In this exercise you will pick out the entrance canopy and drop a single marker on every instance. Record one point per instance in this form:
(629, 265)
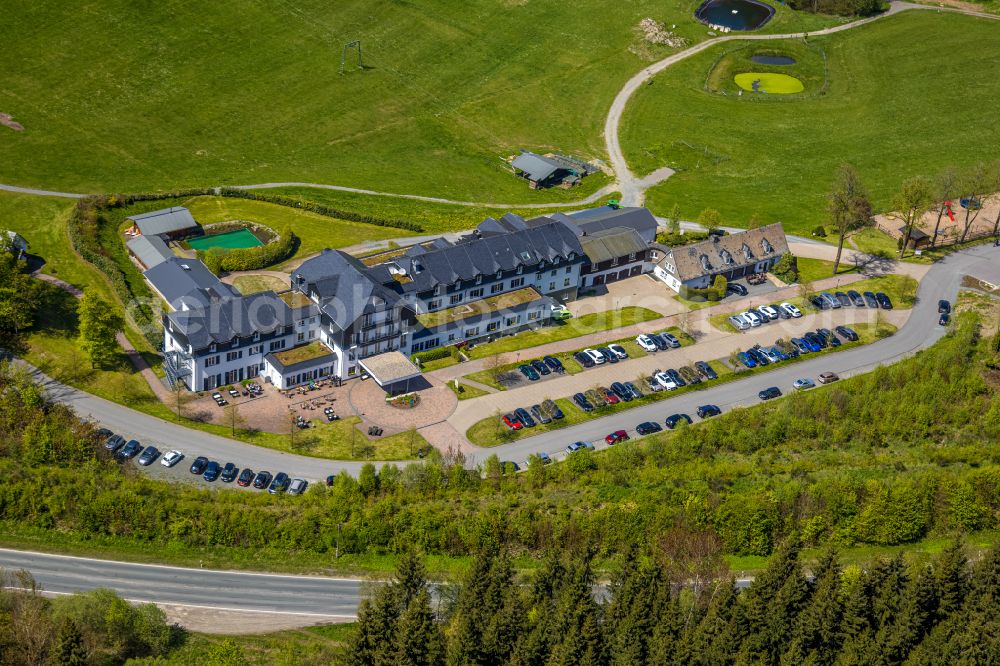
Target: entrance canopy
(390, 368)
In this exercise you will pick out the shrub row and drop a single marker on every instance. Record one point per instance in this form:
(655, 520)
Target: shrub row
(253, 258)
(319, 209)
(433, 354)
(714, 293)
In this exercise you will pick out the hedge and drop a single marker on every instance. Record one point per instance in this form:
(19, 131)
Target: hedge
(319, 209)
(433, 355)
(254, 258)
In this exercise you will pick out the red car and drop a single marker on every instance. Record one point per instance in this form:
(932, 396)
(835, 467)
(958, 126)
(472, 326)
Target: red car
(616, 436)
(609, 396)
(512, 422)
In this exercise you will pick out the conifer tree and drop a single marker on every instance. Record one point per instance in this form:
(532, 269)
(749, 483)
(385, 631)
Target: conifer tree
(952, 579)
(419, 641)
(817, 634)
(68, 649)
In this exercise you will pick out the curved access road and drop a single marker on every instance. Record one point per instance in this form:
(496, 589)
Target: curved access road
(317, 598)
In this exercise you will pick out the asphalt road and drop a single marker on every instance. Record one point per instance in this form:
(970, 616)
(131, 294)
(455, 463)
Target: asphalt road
(331, 598)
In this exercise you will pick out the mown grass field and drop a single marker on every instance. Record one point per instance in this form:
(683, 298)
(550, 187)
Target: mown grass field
(905, 97)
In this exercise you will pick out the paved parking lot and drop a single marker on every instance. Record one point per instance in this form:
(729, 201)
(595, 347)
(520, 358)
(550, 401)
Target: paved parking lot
(640, 291)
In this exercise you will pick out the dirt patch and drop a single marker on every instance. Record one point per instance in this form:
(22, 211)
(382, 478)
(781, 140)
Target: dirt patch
(8, 120)
(220, 621)
(655, 32)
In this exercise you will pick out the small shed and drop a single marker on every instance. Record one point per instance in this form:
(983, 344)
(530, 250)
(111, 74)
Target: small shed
(548, 170)
(174, 222)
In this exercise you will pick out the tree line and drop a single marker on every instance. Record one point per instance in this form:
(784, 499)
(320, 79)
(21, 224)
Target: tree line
(946, 611)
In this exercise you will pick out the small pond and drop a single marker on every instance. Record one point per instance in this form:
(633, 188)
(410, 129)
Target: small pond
(772, 59)
(734, 14)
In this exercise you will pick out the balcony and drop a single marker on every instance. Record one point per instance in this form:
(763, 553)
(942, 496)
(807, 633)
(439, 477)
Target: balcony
(177, 366)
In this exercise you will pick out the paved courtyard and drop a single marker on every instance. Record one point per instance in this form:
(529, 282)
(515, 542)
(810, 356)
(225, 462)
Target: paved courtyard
(367, 399)
(270, 412)
(639, 291)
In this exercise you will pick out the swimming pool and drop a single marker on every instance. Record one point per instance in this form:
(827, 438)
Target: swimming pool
(231, 240)
(735, 14)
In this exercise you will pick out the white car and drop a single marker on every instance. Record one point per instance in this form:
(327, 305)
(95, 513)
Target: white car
(791, 309)
(771, 313)
(618, 351)
(646, 343)
(595, 356)
(740, 322)
(171, 458)
(752, 317)
(665, 381)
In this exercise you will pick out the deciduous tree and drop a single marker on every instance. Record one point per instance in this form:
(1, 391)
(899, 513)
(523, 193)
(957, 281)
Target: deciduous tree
(99, 324)
(914, 198)
(850, 209)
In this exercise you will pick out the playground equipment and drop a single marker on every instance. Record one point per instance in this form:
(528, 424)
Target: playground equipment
(614, 204)
(951, 213)
(356, 44)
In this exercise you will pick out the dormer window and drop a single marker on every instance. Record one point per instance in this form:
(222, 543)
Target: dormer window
(571, 256)
(499, 274)
(437, 290)
(236, 342)
(520, 269)
(479, 279)
(211, 348)
(768, 248)
(746, 252)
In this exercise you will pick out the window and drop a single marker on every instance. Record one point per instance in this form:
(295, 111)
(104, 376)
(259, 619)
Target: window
(513, 321)
(435, 304)
(437, 290)
(472, 332)
(517, 282)
(552, 274)
(476, 293)
(211, 360)
(451, 337)
(232, 356)
(312, 335)
(532, 316)
(479, 279)
(571, 256)
(276, 345)
(492, 326)
(569, 269)
(552, 285)
(520, 269)
(499, 274)
(301, 337)
(566, 282)
(497, 287)
(256, 336)
(631, 256)
(236, 343)
(211, 347)
(455, 299)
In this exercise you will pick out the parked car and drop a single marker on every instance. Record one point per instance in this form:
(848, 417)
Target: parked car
(811, 342)
(610, 398)
(102, 434)
(844, 299)
(646, 343)
(658, 340)
(819, 302)
(582, 402)
(736, 288)
(757, 356)
(705, 411)
(297, 486)
(528, 372)
(130, 450)
(791, 309)
(584, 359)
(229, 472)
(554, 364)
(847, 333)
(609, 356)
(524, 417)
(773, 354)
(771, 313)
(579, 446)
(755, 319)
(246, 477)
(943, 319)
(618, 351)
(634, 390)
(544, 457)
(782, 312)
(512, 422)
(706, 370)
(595, 356)
(621, 391)
(199, 465)
(803, 384)
(870, 299)
(674, 419)
(114, 442)
(539, 415)
(831, 299)
(648, 428)
(171, 458)
(552, 409)
(827, 377)
(944, 307)
(331, 479)
(676, 377)
(671, 341)
(541, 368)
(746, 359)
(801, 345)
(665, 382)
(149, 456)
(279, 483)
(212, 471)
(883, 301)
(739, 322)
(653, 384)
(262, 481)
(616, 436)
(769, 393)
(856, 299)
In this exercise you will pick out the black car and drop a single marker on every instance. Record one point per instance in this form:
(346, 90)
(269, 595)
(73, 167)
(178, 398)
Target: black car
(212, 471)
(621, 391)
(554, 364)
(552, 409)
(676, 377)
(856, 299)
(943, 319)
(634, 390)
(525, 417)
(758, 356)
(114, 443)
(883, 301)
(102, 434)
(769, 393)
(847, 333)
(608, 355)
(816, 340)
(782, 312)
(130, 450)
(541, 368)
(844, 299)
(149, 455)
(583, 359)
(706, 411)
(706, 370)
(279, 483)
(870, 299)
(246, 478)
(582, 402)
(539, 415)
(648, 428)
(330, 480)
(944, 307)
(674, 419)
(199, 465)
(660, 343)
(819, 303)
(229, 473)
(736, 288)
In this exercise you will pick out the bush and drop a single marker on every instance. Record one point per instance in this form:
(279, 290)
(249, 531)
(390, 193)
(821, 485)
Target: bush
(819, 232)
(714, 293)
(786, 269)
(254, 258)
(434, 354)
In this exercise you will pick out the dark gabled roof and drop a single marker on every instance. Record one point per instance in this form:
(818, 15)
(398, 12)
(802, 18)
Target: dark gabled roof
(612, 243)
(149, 250)
(343, 285)
(536, 167)
(605, 217)
(723, 253)
(164, 221)
(222, 321)
(187, 283)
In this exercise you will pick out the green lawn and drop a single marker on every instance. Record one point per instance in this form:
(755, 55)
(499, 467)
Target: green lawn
(892, 109)
(251, 284)
(466, 391)
(811, 269)
(569, 328)
(315, 231)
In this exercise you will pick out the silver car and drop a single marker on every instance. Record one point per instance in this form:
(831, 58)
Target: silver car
(297, 486)
(171, 458)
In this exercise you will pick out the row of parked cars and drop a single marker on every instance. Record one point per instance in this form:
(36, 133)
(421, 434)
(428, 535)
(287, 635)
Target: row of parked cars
(766, 313)
(782, 350)
(592, 357)
(124, 450)
(840, 299)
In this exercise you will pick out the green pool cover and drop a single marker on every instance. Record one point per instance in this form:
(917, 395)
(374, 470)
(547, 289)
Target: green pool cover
(232, 240)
